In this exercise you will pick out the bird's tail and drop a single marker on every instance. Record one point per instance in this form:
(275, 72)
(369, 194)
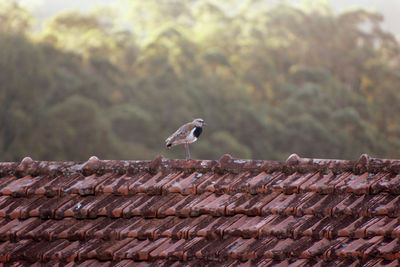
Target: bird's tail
(168, 142)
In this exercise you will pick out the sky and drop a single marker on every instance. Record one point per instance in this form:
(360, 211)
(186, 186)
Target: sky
(389, 8)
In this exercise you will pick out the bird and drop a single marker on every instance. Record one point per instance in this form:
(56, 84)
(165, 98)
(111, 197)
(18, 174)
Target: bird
(186, 134)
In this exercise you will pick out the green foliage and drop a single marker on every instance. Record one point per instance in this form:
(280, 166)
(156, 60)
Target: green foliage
(13, 18)
(269, 81)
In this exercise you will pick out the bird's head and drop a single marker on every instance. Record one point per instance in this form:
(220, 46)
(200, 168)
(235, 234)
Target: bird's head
(199, 122)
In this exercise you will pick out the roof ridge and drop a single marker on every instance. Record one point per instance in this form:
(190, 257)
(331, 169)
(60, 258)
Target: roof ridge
(226, 163)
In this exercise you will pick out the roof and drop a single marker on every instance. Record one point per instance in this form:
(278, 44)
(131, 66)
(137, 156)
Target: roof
(302, 212)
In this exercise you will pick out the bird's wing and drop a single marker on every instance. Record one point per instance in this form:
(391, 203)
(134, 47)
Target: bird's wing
(181, 133)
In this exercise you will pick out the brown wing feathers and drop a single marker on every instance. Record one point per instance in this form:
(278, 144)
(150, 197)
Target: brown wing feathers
(179, 136)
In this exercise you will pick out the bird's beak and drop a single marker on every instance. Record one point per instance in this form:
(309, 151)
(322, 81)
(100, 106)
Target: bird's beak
(204, 123)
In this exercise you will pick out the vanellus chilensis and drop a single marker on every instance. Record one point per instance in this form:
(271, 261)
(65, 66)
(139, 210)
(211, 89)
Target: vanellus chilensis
(186, 134)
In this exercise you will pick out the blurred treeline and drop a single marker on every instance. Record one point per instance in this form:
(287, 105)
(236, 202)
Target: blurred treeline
(268, 80)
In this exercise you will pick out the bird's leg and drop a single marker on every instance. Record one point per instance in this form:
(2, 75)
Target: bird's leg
(187, 151)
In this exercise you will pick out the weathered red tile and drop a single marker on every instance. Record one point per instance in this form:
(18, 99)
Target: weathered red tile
(118, 184)
(389, 249)
(136, 204)
(152, 184)
(184, 184)
(358, 228)
(384, 227)
(37, 188)
(86, 249)
(343, 185)
(212, 227)
(125, 252)
(77, 229)
(326, 227)
(36, 250)
(69, 253)
(387, 205)
(17, 208)
(356, 205)
(139, 180)
(358, 248)
(301, 244)
(172, 216)
(362, 206)
(239, 249)
(43, 207)
(4, 251)
(317, 249)
(263, 262)
(87, 207)
(11, 233)
(214, 205)
(49, 253)
(247, 182)
(307, 227)
(197, 181)
(133, 229)
(184, 206)
(325, 183)
(88, 184)
(241, 263)
(5, 228)
(153, 228)
(310, 184)
(357, 184)
(92, 263)
(132, 203)
(193, 251)
(18, 187)
(63, 183)
(383, 262)
(320, 205)
(386, 182)
(32, 230)
(107, 249)
(150, 207)
(6, 181)
(294, 207)
(396, 232)
(98, 229)
(111, 230)
(109, 205)
(168, 249)
(283, 226)
(123, 263)
(212, 249)
(182, 228)
(285, 204)
(224, 185)
(281, 249)
(208, 185)
(12, 251)
(248, 227)
(186, 247)
(142, 251)
(364, 185)
(250, 204)
(293, 182)
(336, 244)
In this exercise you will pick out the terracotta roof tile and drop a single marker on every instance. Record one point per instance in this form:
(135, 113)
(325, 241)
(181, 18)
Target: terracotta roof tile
(231, 212)
(387, 182)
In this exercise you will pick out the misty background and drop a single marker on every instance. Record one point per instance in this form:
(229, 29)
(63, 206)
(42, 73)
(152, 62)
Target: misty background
(270, 78)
